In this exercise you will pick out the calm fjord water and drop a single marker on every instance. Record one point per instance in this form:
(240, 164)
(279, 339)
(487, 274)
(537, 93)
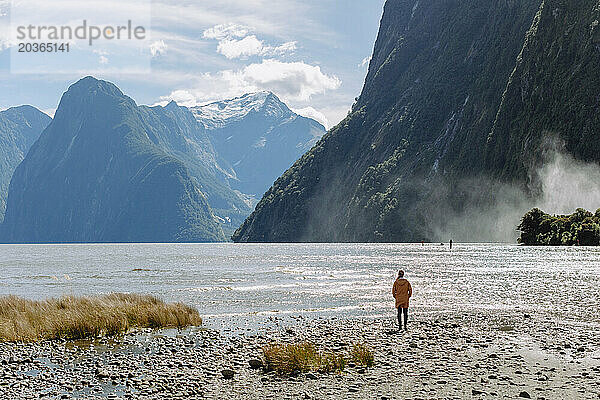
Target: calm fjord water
(245, 281)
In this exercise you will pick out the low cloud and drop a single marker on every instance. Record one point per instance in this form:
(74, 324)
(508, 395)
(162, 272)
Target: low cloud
(568, 184)
(295, 81)
(560, 185)
(310, 112)
(181, 97)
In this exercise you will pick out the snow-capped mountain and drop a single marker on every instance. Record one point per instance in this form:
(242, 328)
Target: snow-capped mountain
(258, 136)
(220, 113)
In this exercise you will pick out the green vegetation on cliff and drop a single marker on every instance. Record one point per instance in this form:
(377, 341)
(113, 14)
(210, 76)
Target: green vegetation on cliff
(458, 100)
(430, 98)
(581, 228)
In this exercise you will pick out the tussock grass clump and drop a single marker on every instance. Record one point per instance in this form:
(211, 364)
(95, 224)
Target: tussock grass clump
(302, 357)
(75, 318)
(362, 355)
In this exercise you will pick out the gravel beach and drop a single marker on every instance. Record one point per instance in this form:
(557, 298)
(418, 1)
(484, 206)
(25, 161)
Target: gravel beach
(479, 355)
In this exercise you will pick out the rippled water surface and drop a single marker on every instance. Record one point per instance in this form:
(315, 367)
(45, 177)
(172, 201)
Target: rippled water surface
(232, 280)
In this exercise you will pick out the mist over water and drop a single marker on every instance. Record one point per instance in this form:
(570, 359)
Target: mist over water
(563, 184)
(568, 184)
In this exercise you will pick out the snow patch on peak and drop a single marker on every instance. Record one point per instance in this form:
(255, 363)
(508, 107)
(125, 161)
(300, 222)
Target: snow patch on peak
(216, 115)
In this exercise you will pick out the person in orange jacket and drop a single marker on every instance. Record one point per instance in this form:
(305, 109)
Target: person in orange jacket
(402, 291)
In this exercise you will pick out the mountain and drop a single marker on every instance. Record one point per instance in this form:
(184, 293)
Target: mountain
(553, 90)
(104, 171)
(258, 137)
(19, 129)
(182, 137)
(458, 101)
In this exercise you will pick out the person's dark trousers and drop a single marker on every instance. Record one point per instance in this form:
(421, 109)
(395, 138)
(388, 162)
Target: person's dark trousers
(400, 312)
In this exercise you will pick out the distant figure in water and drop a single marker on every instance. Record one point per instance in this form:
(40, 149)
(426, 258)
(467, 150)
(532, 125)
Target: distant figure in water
(450, 244)
(402, 292)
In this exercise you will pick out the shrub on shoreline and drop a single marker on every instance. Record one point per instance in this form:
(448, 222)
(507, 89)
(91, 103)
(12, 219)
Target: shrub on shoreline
(304, 357)
(362, 355)
(73, 318)
(541, 229)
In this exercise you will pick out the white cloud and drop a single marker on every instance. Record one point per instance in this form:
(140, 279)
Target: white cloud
(251, 46)
(103, 60)
(235, 42)
(310, 112)
(335, 112)
(181, 97)
(294, 80)
(232, 48)
(158, 47)
(365, 62)
(226, 31)
(287, 47)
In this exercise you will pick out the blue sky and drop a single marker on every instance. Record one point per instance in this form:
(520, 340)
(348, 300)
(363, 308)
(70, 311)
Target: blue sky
(311, 53)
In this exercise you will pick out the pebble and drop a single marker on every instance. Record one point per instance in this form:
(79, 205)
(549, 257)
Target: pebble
(433, 360)
(227, 373)
(255, 363)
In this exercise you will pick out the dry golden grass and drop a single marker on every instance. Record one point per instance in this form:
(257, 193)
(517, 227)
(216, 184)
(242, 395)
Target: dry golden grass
(302, 357)
(74, 318)
(362, 355)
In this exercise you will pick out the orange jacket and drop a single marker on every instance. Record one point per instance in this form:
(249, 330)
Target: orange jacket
(402, 292)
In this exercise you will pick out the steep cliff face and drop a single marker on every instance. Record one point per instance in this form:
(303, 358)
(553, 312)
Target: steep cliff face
(19, 129)
(553, 93)
(99, 173)
(453, 91)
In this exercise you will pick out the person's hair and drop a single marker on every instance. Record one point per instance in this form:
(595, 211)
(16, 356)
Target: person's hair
(400, 274)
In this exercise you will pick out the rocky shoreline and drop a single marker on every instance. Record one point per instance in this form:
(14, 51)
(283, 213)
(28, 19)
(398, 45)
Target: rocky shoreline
(453, 356)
